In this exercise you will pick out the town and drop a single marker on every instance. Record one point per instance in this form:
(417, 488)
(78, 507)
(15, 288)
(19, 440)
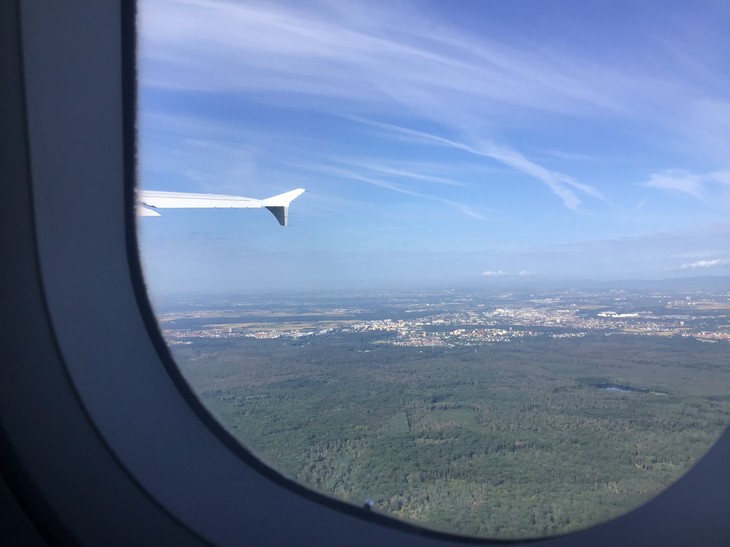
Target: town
(438, 320)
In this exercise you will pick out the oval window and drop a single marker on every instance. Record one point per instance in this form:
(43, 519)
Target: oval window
(500, 306)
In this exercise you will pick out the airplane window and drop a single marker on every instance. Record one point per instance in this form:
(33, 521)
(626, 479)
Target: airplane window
(465, 265)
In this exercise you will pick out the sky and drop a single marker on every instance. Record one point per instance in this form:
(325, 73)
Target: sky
(441, 144)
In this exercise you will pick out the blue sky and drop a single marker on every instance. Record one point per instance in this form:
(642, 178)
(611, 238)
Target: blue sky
(441, 144)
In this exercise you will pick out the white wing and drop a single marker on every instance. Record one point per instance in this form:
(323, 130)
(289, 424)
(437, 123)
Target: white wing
(149, 200)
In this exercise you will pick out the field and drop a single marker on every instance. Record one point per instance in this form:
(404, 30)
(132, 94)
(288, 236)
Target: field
(500, 440)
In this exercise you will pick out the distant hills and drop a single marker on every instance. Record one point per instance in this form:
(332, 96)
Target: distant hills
(707, 283)
(701, 283)
(696, 283)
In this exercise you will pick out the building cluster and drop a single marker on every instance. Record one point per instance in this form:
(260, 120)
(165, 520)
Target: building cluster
(478, 324)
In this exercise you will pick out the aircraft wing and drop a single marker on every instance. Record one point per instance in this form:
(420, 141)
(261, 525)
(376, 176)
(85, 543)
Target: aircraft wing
(150, 200)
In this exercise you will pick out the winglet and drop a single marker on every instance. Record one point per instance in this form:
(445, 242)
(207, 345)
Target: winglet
(143, 211)
(279, 205)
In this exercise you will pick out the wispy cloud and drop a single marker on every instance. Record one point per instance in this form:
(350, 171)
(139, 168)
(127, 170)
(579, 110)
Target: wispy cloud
(396, 171)
(379, 182)
(328, 54)
(572, 156)
(332, 53)
(560, 184)
(684, 182)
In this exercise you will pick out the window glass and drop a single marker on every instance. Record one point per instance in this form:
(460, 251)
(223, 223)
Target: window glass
(500, 307)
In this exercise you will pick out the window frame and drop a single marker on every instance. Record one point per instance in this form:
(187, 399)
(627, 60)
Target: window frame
(123, 451)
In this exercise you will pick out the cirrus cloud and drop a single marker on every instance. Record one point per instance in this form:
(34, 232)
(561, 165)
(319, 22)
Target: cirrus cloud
(685, 182)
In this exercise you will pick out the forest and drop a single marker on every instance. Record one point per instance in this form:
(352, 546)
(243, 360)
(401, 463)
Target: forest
(521, 439)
